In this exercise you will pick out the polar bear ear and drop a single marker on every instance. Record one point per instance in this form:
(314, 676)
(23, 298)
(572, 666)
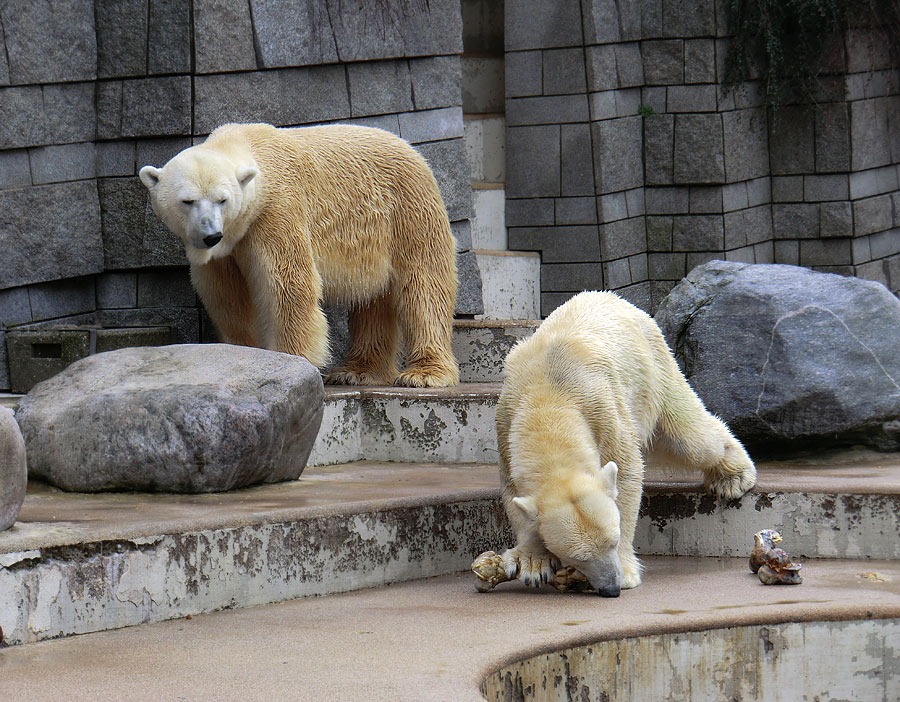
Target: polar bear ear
(609, 474)
(245, 174)
(149, 176)
(527, 505)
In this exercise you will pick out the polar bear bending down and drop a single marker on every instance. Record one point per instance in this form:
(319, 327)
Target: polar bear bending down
(276, 222)
(583, 399)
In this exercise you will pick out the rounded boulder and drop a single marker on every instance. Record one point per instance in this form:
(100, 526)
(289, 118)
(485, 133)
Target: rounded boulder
(187, 418)
(13, 471)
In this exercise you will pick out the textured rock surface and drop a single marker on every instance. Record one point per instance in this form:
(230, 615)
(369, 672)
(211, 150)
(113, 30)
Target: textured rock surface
(185, 418)
(787, 356)
(13, 473)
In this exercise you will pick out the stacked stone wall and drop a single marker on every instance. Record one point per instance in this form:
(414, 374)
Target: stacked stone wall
(91, 90)
(628, 164)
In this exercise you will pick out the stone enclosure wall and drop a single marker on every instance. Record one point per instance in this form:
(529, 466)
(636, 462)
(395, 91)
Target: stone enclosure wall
(649, 168)
(91, 90)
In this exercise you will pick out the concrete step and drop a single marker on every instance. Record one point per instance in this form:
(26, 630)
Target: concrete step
(511, 284)
(76, 563)
(485, 144)
(436, 640)
(489, 216)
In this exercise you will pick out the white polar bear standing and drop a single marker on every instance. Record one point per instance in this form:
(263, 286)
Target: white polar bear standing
(583, 399)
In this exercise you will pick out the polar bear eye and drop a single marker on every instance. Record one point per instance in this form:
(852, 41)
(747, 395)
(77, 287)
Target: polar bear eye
(187, 202)
(223, 200)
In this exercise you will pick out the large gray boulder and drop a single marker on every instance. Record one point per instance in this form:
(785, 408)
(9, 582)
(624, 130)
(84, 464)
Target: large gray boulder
(788, 357)
(13, 473)
(189, 418)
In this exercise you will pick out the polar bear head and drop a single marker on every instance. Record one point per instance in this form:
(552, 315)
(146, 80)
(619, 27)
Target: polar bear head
(203, 196)
(578, 521)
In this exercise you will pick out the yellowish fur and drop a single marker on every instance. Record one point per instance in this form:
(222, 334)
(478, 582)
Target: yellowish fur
(597, 384)
(338, 215)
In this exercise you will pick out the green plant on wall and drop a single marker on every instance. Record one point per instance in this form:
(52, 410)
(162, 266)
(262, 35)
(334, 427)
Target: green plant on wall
(784, 43)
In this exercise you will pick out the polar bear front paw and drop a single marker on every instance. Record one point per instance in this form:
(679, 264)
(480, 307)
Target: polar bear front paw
(428, 375)
(733, 486)
(349, 376)
(631, 575)
(532, 568)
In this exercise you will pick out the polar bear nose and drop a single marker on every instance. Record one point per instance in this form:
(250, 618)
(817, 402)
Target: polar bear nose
(608, 591)
(212, 239)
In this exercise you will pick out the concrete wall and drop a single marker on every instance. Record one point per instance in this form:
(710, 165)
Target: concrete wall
(648, 168)
(91, 90)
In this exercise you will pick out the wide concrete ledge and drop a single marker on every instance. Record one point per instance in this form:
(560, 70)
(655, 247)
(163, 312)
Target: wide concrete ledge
(76, 563)
(434, 639)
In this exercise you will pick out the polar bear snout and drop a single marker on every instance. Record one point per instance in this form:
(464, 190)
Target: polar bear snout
(212, 239)
(604, 573)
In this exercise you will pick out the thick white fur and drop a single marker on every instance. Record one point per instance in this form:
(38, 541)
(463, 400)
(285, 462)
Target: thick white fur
(583, 400)
(339, 215)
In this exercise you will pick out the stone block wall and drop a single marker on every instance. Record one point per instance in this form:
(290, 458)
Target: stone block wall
(628, 164)
(91, 90)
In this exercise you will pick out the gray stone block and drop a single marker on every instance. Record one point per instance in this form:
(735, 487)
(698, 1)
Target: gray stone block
(872, 215)
(41, 245)
(379, 30)
(663, 61)
(870, 133)
(523, 73)
(534, 24)
(627, 237)
(616, 274)
(577, 168)
(602, 73)
(639, 267)
(114, 158)
(523, 146)
(55, 164)
(469, 299)
(558, 244)
(698, 258)
(116, 291)
(167, 288)
(792, 140)
(69, 112)
(699, 61)
(121, 37)
(50, 42)
(691, 98)
(884, 244)
(746, 144)
(109, 109)
(574, 210)
(183, 321)
(873, 182)
(618, 162)
(819, 188)
(293, 33)
(873, 270)
(659, 233)
(787, 252)
(795, 221)
(551, 300)
(432, 125)
(860, 250)
(748, 226)
(134, 237)
(556, 109)
(825, 252)
(4, 364)
(628, 102)
(742, 255)
(462, 234)
(379, 87)
(157, 152)
(170, 36)
(156, 106)
(611, 21)
(279, 97)
(832, 138)
(14, 307)
(530, 212)
(759, 191)
(22, 117)
(448, 162)
(698, 233)
(651, 19)
(659, 144)
(629, 65)
(666, 266)
(868, 49)
(15, 169)
(706, 199)
(699, 149)
(634, 199)
(734, 196)
(571, 276)
(689, 19)
(667, 200)
(229, 22)
(836, 219)
(764, 252)
(61, 298)
(435, 82)
(389, 123)
(603, 105)
(563, 71)
(787, 188)
(612, 207)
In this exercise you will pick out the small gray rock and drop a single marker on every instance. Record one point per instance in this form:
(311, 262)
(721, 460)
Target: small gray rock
(13, 473)
(186, 418)
(788, 357)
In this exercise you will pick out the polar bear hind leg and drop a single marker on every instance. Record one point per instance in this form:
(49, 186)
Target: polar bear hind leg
(372, 356)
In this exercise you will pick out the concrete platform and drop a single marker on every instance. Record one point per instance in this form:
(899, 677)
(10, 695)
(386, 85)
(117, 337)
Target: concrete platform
(434, 639)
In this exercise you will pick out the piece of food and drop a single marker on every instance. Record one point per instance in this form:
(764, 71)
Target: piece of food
(489, 569)
(771, 564)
